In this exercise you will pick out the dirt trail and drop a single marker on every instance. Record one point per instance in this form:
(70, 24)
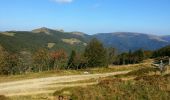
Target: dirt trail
(43, 85)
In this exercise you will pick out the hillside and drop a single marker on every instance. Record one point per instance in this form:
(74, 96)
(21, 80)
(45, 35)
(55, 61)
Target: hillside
(43, 37)
(56, 39)
(125, 41)
(167, 38)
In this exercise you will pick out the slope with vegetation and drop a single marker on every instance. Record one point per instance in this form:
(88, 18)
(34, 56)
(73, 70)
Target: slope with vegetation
(142, 81)
(125, 41)
(144, 86)
(40, 38)
(94, 55)
(17, 41)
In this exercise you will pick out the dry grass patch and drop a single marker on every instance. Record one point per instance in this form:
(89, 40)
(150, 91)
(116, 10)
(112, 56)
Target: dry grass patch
(51, 45)
(8, 34)
(71, 41)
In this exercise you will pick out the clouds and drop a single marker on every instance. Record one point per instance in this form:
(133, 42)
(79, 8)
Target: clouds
(63, 1)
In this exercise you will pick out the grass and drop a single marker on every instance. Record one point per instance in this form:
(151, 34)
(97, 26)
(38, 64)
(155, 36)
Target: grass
(140, 72)
(38, 75)
(2, 97)
(69, 72)
(144, 71)
(152, 87)
(142, 88)
(33, 97)
(146, 85)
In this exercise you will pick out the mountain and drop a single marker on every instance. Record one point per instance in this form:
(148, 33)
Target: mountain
(52, 39)
(125, 41)
(42, 38)
(166, 37)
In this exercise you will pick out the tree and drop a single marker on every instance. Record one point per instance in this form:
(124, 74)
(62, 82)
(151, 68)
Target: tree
(76, 61)
(8, 62)
(41, 59)
(165, 51)
(3, 61)
(79, 61)
(122, 59)
(70, 63)
(139, 55)
(25, 62)
(96, 54)
(130, 57)
(12, 64)
(111, 55)
(58, 58)
(148, 54)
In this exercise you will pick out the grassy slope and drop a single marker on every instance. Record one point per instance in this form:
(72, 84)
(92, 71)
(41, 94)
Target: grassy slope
(142, 88)
(146, 85)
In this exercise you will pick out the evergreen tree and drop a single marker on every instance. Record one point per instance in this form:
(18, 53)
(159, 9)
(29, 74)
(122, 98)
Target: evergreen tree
(96, 54)
(130, 57)
(71, 59)
(140, 55)
(165, 51)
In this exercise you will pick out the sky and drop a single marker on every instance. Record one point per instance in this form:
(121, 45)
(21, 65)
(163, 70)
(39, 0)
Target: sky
(88, 16)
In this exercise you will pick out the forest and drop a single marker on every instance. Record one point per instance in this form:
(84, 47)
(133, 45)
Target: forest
(94, 55)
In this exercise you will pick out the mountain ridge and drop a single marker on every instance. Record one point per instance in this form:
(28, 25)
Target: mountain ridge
(44, 37)
(125, 41)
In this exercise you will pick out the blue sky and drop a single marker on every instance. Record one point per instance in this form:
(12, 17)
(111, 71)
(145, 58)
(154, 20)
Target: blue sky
(89, 16)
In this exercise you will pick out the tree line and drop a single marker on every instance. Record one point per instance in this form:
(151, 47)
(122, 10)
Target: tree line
(94, 55)
(165, 51)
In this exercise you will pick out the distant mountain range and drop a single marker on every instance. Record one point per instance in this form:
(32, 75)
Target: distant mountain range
(166, 38)
(125, 41)
(51, 39)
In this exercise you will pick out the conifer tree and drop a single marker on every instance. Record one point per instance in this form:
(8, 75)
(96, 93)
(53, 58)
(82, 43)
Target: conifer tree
(96, 54)
(71, 59)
